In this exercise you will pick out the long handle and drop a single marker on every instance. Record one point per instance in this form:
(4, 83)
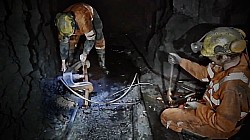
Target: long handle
(86, 78)
(171, 77)
(170, 101)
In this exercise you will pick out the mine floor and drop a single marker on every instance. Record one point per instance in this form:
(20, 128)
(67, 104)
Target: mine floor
(134, 115)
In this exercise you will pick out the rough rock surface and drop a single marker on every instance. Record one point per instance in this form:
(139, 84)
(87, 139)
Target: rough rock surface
(144, 30)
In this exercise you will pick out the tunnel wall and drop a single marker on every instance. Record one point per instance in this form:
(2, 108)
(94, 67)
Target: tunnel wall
(184, 23)
(29, 48)
(29, 54)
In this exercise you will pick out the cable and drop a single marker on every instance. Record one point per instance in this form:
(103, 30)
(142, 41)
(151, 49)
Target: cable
(110, 102)
(125, 91)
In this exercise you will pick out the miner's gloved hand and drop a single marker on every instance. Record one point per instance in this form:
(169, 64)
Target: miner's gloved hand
(83, 57)
(63, 68)
(174, 58)
(196, 46)
(192, 104)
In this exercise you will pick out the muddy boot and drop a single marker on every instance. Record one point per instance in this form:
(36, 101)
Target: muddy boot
(101, 59)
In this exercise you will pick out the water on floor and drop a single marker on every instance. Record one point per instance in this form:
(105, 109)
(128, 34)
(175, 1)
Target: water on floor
(66, 120)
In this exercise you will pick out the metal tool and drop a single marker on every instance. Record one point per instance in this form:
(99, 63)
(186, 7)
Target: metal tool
(84, 86)
(169, 93)
(86, 65)
(69, 78)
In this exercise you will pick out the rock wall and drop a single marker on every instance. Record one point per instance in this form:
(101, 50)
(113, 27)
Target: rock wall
(26, 50)
(29, 54)
(29, 49)
(185, 22)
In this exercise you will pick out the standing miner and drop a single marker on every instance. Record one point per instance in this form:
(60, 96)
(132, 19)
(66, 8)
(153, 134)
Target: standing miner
(77, 20)
(226, 102)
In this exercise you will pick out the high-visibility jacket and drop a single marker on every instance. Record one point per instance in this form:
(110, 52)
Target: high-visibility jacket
(227, 101)
(88, 23)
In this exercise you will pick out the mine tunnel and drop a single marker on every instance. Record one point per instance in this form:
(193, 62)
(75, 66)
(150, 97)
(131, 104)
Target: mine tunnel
(127, 99)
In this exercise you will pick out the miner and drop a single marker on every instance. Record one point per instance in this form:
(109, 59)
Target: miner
(77, 20)
(226, 101)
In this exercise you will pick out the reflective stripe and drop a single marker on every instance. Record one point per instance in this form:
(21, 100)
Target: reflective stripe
(215, 87)
(91, 9)
(236, 76)
(212, 99)
(205, 80)
(100, 48)
(205, 96)
(243, 114)
(215, 101)
(179, 123)
(100, 44)
(168, 124)
(90, 35)
(210, 91)
(211, 83)
(210, 71)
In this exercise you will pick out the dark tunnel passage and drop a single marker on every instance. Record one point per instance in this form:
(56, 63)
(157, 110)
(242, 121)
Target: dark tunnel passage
(126, 100)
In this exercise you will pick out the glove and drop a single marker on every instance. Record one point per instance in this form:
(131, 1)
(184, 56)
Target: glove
(63, 68)
(196, 47)
(83, 57)
(192, 104)
(174, 58)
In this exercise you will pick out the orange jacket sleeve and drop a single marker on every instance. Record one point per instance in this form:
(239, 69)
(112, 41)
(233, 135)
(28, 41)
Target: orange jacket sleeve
(195, 69)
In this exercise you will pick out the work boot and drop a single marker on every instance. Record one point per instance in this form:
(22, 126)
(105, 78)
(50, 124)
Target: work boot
(101, 59)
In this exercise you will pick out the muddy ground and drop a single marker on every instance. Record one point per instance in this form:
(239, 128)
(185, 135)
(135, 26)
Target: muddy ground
(125, 118)
(134, 114)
